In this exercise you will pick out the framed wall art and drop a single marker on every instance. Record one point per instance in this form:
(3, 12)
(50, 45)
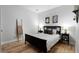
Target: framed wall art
(55, 19)
(47, 20)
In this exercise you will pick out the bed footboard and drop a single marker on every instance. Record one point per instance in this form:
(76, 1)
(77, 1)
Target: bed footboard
(36, 42)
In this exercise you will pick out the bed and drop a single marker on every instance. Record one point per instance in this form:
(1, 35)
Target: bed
(44, 41)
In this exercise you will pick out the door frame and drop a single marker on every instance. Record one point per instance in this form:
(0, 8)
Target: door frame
(1, 27)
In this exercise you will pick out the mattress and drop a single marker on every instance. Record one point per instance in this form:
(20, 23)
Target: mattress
(51, 39)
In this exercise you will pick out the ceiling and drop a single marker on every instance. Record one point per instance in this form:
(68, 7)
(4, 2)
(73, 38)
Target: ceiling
(40, 8)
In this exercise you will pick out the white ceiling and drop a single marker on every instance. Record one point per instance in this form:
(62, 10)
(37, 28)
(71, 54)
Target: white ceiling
(40, 8)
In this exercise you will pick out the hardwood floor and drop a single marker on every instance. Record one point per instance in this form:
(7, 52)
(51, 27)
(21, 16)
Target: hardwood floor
(20, 47)
(63, 48)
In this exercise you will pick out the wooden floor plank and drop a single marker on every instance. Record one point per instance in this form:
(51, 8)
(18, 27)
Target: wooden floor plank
(20, 47)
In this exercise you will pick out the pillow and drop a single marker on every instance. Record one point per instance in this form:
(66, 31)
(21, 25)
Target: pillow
(45, 28)
(49, 29)
(58, 29)
(54, 31)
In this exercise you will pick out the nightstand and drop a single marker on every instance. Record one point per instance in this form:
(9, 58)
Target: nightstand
(65, 38)
(40, 31)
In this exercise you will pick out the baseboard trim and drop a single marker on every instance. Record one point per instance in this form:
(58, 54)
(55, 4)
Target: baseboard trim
(7, 42)
(10, 41)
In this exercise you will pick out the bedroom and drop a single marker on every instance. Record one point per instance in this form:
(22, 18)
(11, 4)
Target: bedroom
(34, 18)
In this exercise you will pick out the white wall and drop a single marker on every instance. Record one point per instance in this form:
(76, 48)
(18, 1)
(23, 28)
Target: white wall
(77, 39)
(65, 18)
(9, 16)
(77, 32)
(65, 15)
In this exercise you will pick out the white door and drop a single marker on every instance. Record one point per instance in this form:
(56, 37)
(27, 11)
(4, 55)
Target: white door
(0, 29)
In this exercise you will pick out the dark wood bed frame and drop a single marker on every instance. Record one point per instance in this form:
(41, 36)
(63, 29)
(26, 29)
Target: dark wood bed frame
(36, 42)
(40, 43)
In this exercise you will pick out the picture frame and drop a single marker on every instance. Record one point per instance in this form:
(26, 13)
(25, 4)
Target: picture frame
(47, 20)
(55, 19)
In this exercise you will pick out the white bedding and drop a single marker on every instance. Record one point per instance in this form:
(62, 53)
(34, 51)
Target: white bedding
(51, 39)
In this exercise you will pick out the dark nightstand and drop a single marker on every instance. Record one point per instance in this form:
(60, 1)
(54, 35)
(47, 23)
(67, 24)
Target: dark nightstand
(40, 31)
(65, 38)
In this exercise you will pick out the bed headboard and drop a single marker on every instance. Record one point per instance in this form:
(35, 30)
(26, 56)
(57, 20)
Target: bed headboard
(52, 29)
